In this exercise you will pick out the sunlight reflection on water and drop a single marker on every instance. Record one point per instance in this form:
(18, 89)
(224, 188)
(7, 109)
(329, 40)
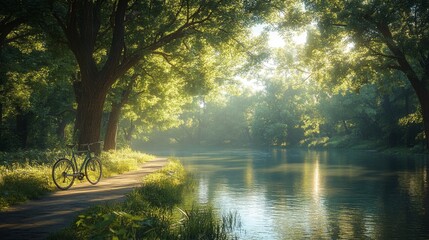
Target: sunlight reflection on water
(301, 194)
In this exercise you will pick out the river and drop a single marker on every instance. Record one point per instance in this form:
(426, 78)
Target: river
(307, 194)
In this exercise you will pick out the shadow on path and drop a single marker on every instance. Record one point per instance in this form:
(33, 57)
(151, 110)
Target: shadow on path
(38, 218)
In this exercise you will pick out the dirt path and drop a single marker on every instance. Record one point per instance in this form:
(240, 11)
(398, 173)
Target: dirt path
(37, 219)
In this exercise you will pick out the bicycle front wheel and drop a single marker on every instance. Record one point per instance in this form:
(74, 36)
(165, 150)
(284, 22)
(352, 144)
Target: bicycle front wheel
(93, 170)
(63, 173)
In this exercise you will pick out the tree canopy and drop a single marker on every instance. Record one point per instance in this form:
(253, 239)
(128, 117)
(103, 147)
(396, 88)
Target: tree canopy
(385, 38)
(84, 70)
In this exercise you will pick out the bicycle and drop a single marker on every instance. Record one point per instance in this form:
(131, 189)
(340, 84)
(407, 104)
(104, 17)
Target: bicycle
(64, 170)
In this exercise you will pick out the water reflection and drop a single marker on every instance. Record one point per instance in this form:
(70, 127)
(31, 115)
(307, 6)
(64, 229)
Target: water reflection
(299, 194)
(249, 173)
(203, 190)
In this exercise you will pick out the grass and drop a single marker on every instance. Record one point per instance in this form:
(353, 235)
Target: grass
(201, 222)
(26, 175)
(156, 210)
(24, 182)
(120, 161)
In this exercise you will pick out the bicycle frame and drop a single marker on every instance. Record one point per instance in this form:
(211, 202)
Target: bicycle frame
(79, 170)
(88, 156)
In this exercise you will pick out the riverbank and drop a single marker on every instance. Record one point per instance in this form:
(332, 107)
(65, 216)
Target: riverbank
(346, 142)
(162, 208)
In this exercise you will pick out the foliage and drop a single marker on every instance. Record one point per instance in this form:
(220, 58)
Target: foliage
(277, 116)
(107, 49)
(343, 83)
(178, 66)
(290, 111)
(353, 43)
(25, 175)
(150, 217)
(152, 103)
(36, 97)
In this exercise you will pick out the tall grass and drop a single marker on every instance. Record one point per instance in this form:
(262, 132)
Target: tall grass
(22, 182)
(164, 188)
(26, 174)
(202, 222)
(154, 211)
(120, 161)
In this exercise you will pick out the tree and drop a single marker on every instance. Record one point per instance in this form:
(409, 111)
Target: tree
(379, 38)
(110, 37)
(15, 30)
(277, 118)
(194, 67)
(31, 102)
(150, 98)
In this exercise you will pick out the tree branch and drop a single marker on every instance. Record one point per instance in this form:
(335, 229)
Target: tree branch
(339, 25)
(376, 53)
(165, 56)
(117, 43)
(403, 63)
(241, 44)
(162, 41)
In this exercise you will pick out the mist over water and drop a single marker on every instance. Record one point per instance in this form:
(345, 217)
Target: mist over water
(295, 193)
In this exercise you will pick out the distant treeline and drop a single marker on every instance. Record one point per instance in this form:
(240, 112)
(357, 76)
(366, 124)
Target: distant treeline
(283, 114)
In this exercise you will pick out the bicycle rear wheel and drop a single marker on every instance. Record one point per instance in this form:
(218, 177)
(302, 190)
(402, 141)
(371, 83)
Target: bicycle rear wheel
(93, 170)
(63, 173)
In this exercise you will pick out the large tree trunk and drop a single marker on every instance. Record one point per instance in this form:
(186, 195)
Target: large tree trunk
(115, 115)
(423, 96)
(112, 127)
(1, 124)
(422, 93)
(425, 197)
(89, 113)
(419, 84)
